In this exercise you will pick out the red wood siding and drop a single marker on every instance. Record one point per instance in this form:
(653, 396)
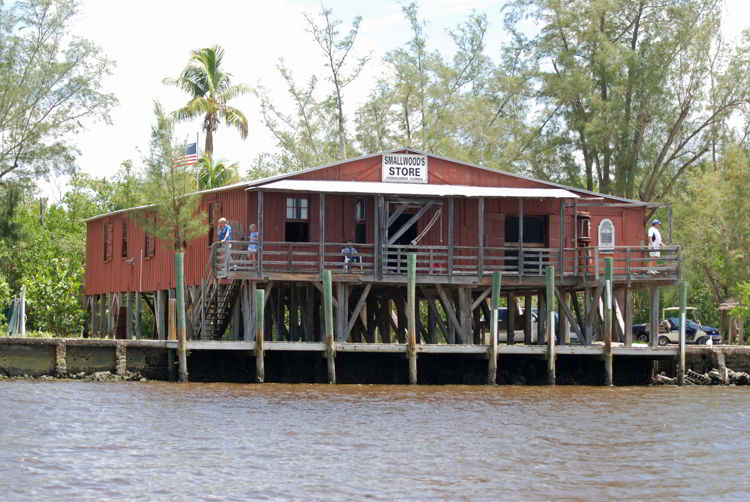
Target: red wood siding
(239, 207)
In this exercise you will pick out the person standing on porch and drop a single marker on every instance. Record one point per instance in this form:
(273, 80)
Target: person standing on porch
(654, 243)
(225, 235)
(253, 238)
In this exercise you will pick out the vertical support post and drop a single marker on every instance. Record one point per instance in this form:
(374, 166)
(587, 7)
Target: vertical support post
(521, 257)
(161, 314)
(342, 311)
(527, 318)
(511, 324)
(480, 238)
(541, 318)
(563, 325)
(607, 321)
(654, 317)
(628, 316)
(494, 305)
(450, 236)
(322, 250)
(561, 261)
(181, 328)
(261, 233)
(128, 315)
(260, 315)
(550, 294)
(172, 328)
(411, 270)
(328, 316)
(137, 317)
(683, 321)
(575, 236)
(381, 236)
(22, 314)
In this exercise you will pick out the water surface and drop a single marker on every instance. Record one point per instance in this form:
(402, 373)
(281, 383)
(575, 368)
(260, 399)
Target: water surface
(69, 440)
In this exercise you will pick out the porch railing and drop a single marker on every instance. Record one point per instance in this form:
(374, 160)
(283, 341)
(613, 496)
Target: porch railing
(630, 262)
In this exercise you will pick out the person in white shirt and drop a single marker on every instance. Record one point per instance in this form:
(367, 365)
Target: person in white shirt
(654, 243)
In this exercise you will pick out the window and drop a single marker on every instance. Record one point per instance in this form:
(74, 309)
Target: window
(107, 241)
(296, 208)
(214, 210)
(296, 228)
(606, 234)
(359, 210)
(534, 229)
(149, 246)
(124, 245)
(360, 226)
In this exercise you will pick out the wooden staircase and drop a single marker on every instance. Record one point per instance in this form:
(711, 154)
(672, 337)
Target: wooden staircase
(212, 311)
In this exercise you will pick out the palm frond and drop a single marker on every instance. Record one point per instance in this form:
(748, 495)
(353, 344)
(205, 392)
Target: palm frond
(234, 91)
(235, 118)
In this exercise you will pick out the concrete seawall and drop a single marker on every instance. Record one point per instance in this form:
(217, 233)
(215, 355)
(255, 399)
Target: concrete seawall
(152, 359)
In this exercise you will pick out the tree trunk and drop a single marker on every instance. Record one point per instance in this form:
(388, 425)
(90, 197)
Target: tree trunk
(209, 128)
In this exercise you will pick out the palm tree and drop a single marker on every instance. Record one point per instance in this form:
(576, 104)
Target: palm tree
(214, 175)
(211, 89)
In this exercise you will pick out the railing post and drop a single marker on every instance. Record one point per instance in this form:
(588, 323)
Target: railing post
(494, 305)
(521, 261)
(450, 236)
(411, 265)
(261, 234)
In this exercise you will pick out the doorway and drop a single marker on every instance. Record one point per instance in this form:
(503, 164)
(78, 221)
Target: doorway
(396, 262)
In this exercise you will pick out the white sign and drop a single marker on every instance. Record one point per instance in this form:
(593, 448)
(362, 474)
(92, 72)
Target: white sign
(404, 168)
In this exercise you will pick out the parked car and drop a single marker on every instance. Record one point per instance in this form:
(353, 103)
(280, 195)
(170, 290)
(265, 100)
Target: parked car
(669, 330)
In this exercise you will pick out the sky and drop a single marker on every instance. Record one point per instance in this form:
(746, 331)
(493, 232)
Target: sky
(151, 40)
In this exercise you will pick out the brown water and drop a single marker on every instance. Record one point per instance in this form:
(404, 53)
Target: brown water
(162, 441)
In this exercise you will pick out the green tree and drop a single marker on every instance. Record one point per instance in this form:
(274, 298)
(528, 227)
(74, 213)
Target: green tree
(336, 49)
(643, 90)
(174, 215)
(712, 225)
(216, 174)
(210, 89)
(51, 81)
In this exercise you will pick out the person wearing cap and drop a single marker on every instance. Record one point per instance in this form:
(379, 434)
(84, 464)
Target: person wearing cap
(654, 243)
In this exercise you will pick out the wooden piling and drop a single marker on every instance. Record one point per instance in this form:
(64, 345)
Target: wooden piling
(494, 305)
(411, 269)
(137, 316)
(181, 324)
(330, 352)
(260, 370)
(550, 331)
(608, 322)
(683, 321)
(128, 316)
(654, 317)
(172, 332)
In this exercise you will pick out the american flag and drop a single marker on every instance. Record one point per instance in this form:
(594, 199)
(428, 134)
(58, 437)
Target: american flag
(190, 158)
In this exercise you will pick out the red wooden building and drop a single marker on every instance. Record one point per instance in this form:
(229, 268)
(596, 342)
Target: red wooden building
(463, 221)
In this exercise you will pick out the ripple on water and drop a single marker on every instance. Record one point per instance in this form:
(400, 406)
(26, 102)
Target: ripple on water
(156, 441)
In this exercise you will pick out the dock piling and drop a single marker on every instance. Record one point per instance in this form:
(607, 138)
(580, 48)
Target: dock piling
(328, 321)
(494, 305)
(683, 320)
(550, 315)
(260, 370)
(411, 266)
(608, 322)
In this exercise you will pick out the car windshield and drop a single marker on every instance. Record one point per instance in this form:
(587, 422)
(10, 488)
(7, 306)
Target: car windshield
(690, 324)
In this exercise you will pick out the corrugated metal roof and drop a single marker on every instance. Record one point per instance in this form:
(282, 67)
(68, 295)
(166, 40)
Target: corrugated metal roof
(418, 189)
